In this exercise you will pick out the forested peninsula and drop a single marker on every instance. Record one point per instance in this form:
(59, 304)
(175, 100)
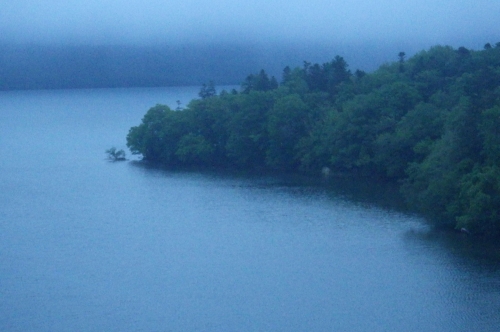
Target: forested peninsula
(430, 123)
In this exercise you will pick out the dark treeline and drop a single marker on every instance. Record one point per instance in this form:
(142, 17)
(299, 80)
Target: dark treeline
(430, 122)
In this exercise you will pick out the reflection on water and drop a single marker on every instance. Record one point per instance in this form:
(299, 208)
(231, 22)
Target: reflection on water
(467, 250)
(91, 245)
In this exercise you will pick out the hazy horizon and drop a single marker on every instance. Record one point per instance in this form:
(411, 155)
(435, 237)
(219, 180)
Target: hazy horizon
(421, 25)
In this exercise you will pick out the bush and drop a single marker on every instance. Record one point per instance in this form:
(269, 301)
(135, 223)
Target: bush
(115, 155)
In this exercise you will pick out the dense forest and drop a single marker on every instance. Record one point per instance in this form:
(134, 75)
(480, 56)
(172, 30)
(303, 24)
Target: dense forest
(430, 122)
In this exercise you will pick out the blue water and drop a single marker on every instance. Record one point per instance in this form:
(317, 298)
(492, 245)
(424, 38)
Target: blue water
(91, 245)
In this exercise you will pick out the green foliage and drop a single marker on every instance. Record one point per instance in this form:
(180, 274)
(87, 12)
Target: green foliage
(429, 122)
(286, 124)
(295, 81)
(248, 137)
(194, 149)
(489, 130)
(259, 82)
(411, 140)
(433, 184)
(157, 136)
(479, 201)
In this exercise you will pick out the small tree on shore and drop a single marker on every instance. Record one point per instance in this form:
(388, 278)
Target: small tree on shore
(115, 155)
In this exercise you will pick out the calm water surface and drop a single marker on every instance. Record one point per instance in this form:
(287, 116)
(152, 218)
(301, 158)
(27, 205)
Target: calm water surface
(91, 245)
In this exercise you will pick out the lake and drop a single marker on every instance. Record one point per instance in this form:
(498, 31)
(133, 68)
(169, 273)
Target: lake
(92, 245)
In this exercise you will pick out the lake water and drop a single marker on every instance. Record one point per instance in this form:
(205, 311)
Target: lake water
(92, 245)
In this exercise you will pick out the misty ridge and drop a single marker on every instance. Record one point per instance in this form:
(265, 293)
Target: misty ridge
(66, 66)
(44, 66)
(111, 43)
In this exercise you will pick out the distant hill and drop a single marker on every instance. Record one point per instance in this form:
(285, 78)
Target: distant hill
(104, 66)
(56, 67)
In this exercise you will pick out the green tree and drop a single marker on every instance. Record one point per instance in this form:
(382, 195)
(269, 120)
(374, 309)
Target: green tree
(157, 136)
(259, 82)
(401, 56)
(248, 139)
(490, 134)
(286, 124)
(207, 90)
(194, 149)
(146, 139)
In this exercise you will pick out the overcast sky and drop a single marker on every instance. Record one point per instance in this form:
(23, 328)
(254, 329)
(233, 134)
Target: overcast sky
(424, 22)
